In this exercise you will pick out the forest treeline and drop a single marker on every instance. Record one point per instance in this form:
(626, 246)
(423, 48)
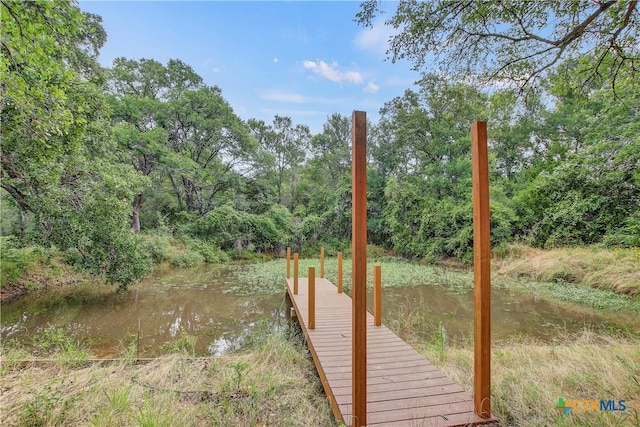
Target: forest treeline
(101, 163)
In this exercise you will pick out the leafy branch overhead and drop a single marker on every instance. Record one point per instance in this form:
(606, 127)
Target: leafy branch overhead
(513, 41)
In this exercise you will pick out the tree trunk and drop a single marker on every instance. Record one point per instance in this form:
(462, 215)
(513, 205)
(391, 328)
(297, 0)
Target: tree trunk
(136, 213)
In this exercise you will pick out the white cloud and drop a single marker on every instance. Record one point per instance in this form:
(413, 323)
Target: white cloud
(216, 70)
(296, 98)
(371, 87)
(276, 60)
(375, 39)
(332, 72)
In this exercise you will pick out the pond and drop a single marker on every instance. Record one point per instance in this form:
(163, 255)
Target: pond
(213, 304)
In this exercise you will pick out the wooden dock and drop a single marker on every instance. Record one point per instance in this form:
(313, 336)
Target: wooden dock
(403, 388)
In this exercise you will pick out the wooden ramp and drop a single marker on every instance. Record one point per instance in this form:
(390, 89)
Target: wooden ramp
(403, 388)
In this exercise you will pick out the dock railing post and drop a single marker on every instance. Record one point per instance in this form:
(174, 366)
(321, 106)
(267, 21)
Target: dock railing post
(288, 263)
(322, 263)
(312, 297)
(377, 295)
(359, 268)
(481, 272)
(295, 273)
(339, 272)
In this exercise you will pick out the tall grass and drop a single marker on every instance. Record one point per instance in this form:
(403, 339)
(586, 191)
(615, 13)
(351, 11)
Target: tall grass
(615, 270)
(527, 379)
(275, 384)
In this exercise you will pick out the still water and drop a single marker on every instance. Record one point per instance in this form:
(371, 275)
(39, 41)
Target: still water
(205, 303)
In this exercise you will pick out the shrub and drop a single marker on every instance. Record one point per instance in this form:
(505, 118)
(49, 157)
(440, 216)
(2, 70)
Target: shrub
(13, 263)
(187, 259)
(209, 252)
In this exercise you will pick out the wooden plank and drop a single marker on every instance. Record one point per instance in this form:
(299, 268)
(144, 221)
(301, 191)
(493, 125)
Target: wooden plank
(403, 388)
(359, 266)
(481, 271)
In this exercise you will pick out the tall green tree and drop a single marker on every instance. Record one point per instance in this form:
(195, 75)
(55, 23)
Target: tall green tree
(140, 91)
(422, 149)
(587, 189)
(282, 151)
(49, 92)
(212, 145)
(514, 41)
(56, 161)
(332, 149)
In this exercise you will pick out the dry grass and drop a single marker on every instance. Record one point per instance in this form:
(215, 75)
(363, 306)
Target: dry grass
(617, 270)
(527, 379)
(272, 386)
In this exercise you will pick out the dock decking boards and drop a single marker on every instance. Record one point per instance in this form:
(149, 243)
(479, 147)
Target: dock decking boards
(403, 388)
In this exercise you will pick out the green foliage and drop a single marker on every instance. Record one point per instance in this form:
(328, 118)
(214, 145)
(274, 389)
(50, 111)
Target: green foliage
(512, 41)
(158, 246)
(187, 259)
(230, 229)
(41, 410)
(185, 344)
(210, 253)
(14, 261)
(69, 350)
(160, 151)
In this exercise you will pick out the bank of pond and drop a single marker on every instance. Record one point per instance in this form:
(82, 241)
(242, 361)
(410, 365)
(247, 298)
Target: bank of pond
(220, 309)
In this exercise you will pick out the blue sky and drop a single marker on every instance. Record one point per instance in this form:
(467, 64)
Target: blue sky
(305, 60)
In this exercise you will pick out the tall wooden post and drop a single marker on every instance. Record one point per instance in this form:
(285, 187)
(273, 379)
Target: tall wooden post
(322, 263)
(481, 271)
(339, 272)
(295, 273)
(312, 297)
(377, 295)
(359, 268)
(288, 263)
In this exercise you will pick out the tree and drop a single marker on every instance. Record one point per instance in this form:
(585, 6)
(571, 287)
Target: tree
(211, 144)
(587, 189)
(282, 151)
(332, 148)
(56, 158)
(140, 91)
(48, 91)
(514, 41)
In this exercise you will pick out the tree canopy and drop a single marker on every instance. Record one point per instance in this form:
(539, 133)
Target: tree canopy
(105, 166)
(514, 41)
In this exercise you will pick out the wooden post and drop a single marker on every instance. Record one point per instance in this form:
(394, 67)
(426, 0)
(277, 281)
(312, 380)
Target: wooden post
(288, 306)
(322, 263)
(377, 295)
(359, 268)
(295, 273)
(312, 297)
(339, 272)
(481, 272)
(288, 263)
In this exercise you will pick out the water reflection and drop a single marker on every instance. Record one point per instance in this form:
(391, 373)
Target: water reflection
(201, 302)
(420, 309)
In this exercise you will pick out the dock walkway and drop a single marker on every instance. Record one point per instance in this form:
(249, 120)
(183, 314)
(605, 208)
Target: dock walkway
(403, 388)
